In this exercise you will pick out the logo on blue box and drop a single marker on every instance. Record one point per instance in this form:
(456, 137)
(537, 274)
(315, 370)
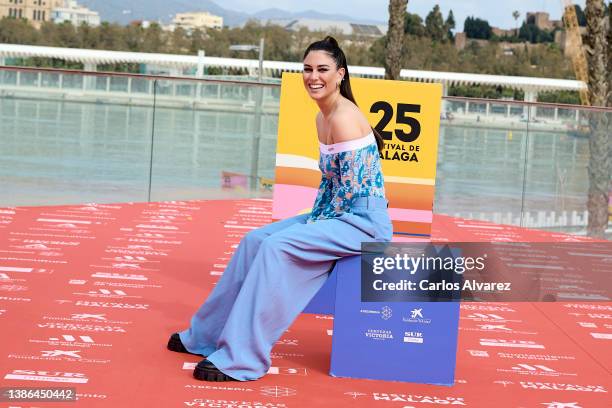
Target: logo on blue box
(395, 341)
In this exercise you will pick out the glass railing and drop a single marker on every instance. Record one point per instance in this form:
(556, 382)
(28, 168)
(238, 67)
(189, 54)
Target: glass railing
(67, 139)
(516, 163)
(72, 137)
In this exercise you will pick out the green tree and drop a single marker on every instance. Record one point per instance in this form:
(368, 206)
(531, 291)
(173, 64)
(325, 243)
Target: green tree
(60, 35)
(153, 40)
(609, 38)
(89, 37)
(434, 25)
(414, 25)
(197, 41)
(110, 36)
(567, 97)
(477, 28)
(418, 51)
(449, 24)
(581, 16)
(395, 38)
(178, 42)
(600, 163)
(609, 103)
(515, 15)
(278, 44)
(533, 34)
(17, 31)
(133, 37)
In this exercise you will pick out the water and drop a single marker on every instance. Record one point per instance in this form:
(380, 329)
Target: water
(493, 170)
(57, 152)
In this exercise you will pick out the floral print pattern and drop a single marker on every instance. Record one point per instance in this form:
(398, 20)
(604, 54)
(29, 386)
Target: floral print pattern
(346, 176)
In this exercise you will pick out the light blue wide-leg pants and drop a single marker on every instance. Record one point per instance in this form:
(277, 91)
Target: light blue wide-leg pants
(274, 273)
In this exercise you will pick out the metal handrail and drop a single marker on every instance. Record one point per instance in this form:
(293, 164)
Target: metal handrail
(526, 103)
(275, 85)
(132, 75)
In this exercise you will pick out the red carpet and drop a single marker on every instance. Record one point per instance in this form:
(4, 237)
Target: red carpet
(89, 295)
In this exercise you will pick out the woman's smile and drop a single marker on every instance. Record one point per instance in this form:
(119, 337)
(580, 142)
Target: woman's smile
(315, 86)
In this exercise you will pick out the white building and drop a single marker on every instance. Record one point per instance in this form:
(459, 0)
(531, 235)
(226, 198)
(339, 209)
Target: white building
(75, 14)
(197, 20)
(332, 26)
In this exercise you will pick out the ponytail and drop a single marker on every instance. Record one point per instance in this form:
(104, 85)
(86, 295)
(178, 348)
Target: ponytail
(330, 46)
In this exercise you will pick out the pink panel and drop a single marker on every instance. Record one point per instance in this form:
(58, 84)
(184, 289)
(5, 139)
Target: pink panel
(397, 238)
(402, 214)
(292, 200)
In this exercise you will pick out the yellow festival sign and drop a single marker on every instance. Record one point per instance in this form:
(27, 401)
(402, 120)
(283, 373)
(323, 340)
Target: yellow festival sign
(406, 114)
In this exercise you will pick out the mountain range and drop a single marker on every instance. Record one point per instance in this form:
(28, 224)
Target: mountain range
(122, 12)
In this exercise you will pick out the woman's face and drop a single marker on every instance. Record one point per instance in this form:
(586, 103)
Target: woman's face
(321, 76)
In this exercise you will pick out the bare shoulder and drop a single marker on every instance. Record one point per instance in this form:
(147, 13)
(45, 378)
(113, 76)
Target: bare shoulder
(348, 123)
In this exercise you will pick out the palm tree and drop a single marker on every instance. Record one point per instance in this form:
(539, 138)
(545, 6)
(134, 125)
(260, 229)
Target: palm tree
(600, 164)
(395, 38)
(516, 16)
(610, 58)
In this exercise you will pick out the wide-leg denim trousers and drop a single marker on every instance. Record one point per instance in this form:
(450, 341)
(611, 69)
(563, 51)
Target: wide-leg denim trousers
(274, 273)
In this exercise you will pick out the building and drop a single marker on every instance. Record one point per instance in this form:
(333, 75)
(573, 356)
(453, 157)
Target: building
(460, 41)
(333, 26)
(542, 21)
(501, 32)
(197, 20)
(35, 11)
(75, 14)
(504, 47)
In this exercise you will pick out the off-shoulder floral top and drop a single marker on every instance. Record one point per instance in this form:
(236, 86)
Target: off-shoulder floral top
(349, 170)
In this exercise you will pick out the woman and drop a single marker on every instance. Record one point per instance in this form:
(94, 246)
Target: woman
(278, 268)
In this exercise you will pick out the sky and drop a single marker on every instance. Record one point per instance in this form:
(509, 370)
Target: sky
(497, 12)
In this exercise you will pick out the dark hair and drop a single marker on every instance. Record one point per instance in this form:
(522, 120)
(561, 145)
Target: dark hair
(330, 46)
